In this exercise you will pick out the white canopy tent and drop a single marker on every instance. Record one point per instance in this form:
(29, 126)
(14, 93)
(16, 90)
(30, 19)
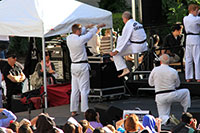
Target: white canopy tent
(43, 18)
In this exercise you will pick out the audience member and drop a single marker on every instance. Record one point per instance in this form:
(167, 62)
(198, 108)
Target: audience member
(25, 128)
(173, 44)
(187, 125)
(50, 69)
(5, 122)
(14, 125)
(13, 77)
(94, 44)
(150, 122)
(93, 118)
(131, 124)
(98, 130)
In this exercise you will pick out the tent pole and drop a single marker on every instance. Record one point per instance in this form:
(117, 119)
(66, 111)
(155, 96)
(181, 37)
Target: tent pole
(44, 74)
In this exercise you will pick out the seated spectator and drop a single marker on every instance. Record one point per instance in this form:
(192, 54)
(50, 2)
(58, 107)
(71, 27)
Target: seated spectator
(5, 130)
(50, 69)
(93, 118)
(6, 121)
(150, 122)
(71, 128)
(187, 125)
(131, 124)
(98, 130)
(43, 122)
(25, 128)
(14, 126)
(94, 44)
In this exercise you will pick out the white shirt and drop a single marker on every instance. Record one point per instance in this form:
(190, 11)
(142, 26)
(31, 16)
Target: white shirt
(76, 45)
(133, 31)
(163, 78)
(94, 43)
(192, 25)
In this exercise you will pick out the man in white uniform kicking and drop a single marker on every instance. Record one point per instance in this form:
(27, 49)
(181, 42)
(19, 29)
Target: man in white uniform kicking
(192, 28)
(80, 67)
(166, 80)
(133, 40)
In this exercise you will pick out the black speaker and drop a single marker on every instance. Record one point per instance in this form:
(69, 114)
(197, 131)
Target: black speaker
(104, 75)
(108, 114)
(195, 111)
(17, 105)
(151, 12)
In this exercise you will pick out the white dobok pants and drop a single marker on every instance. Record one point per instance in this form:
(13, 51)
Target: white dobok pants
(80, 86)
(165, 100)
(192, 54)
(130, 48)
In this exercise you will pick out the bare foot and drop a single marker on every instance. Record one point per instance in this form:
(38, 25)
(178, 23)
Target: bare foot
(198, 80)
(125, 72)
(189, 80)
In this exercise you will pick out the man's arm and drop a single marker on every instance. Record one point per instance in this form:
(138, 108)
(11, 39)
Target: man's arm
(151, 79)
(85, 38)
(177, 80)
(10, 116)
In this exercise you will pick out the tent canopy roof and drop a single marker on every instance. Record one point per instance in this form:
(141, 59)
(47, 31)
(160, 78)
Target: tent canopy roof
(38, 18)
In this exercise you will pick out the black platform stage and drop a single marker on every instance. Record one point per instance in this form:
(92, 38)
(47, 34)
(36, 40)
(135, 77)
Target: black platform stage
(139, 81)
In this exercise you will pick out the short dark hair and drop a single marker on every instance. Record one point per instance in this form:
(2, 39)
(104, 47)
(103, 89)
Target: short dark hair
(90, 115)
(177, 27)
(186, 117)
(76, 27)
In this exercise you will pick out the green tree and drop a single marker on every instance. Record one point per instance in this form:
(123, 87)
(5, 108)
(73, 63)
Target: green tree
(175, 10)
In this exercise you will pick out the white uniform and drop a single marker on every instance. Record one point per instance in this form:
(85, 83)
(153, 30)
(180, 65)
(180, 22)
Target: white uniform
(79, 71)
(192, 25)
(165, 78)
(1, 94)
(132, 31)
(94, 43)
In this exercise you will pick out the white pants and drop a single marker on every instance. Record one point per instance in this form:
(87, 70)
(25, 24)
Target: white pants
(130, 48)
(192, 54)
(80, 86)
(165, 100)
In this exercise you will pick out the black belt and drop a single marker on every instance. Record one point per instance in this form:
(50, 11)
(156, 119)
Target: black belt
(166, 91)
(192, 33)
(140, 42)
(84, 61)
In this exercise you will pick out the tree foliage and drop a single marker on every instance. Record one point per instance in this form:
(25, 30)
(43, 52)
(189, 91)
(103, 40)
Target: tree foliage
(175, 10)
(115, 6)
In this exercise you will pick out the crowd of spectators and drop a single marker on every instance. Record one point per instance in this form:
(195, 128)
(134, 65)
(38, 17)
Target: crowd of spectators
(43, 123)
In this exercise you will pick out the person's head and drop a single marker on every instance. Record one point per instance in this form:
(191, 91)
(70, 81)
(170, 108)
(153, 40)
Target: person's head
(193, 9)
(177, 29)
(90, 115)
(24, 128)
(69, 128)
(164, 59)
(186, 117)
(98, 130)
(126, 16)
(111, 127)
(76, 29)
(25, 121)
(14, 126)
(107, 32)
(44, 123)
(131, 123)
(47, 56)
(11, 58)
(149, 121)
